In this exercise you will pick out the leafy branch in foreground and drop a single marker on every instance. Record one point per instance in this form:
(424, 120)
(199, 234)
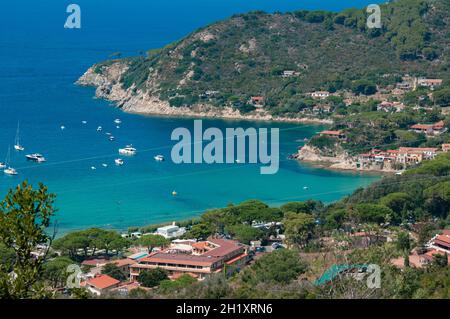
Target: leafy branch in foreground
(24, 218)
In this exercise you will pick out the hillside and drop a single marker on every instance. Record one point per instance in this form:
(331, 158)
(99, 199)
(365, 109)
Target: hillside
(226, 63)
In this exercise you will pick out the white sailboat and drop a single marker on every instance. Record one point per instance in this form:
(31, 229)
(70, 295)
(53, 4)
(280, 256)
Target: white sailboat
(17, 145)
(9, 170)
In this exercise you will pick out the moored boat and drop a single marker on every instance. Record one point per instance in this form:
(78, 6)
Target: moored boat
(159, 158)
(10, 171)
(128, 150)
(36, 157)
(17, 145)
(118, 161)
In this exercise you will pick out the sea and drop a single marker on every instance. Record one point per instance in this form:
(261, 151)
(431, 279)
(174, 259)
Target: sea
(40, 61)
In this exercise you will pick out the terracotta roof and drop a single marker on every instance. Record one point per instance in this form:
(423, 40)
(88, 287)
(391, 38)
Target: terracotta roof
(191, 260)
(124, 262)
(443, 238)
(232, 261)
(422, 126)
(430, 254)
(200, 245)
(225, 247)
(94, 262)
(103, 282)
(416, 149)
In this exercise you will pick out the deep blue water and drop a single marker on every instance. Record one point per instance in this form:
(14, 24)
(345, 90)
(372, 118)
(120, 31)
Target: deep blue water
(40, 61)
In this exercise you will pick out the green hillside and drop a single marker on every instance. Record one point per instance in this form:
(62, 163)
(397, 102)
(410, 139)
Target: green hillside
(246, 55)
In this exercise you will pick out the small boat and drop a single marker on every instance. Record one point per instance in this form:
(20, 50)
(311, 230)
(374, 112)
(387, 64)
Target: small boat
(305, 187)
(117, 126)
(107, 133)
(159, 158)
(39, 158)
(10, 171)
(84, 122)
(112, 138)
(105, 165)
(93, 168)
(119, 162)
(174, 193)
(63, 127)
(128, 150)
(2, 165)
(117, 121)
(99, 129)
(17, 145)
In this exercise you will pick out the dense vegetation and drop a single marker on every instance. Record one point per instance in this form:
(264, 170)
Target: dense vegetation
(246, 55)
(420, 197)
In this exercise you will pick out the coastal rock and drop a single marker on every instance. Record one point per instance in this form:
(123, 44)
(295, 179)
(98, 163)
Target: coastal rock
(106, 79)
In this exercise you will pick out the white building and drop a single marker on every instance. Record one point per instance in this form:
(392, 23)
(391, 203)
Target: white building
(171, 231)
(320, 95)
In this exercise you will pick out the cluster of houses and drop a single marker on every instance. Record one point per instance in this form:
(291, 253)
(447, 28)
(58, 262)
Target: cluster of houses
(404, 156)
(191, 257)
(419, 258)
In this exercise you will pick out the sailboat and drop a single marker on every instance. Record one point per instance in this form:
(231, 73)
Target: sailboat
(9, 170)
(17, 145)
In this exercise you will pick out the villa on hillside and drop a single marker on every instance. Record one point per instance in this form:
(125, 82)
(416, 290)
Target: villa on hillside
(445, 148)
(337, 134)
(441, 242)
(257, 101)
(100, 284)
(429, 83)
(430, 129)
(289, 74)
(198, 259)
(320, 95)
(391, 106)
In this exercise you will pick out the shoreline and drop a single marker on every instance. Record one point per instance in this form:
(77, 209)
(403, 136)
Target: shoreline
(250, 118)
(329, 166)
(342, 162)
(108, 87)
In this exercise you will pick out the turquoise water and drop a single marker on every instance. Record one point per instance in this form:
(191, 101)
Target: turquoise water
(40, 61)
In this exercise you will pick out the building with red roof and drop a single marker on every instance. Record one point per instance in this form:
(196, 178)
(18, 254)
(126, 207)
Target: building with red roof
(101, 284)
(206, 258)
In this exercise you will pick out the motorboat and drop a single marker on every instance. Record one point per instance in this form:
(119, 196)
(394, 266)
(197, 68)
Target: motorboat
(99, 129)
(128, 150)
(10, 171)
(112, 138)
(118, 161)
(159, 158)
(36, 157)
(117, 121)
